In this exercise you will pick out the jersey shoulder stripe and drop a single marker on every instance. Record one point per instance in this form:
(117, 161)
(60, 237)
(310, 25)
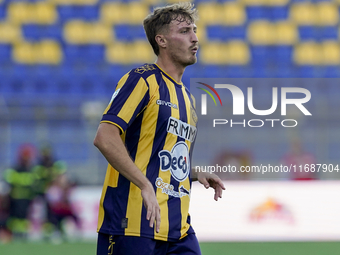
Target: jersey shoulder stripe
(130, 97)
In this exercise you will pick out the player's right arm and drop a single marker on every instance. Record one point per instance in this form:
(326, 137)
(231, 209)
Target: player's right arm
(110, 144)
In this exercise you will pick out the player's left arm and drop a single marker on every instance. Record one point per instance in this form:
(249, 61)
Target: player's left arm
(209, 180)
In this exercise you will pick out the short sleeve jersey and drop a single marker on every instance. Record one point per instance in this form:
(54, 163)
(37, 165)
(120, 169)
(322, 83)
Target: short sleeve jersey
(157, 119)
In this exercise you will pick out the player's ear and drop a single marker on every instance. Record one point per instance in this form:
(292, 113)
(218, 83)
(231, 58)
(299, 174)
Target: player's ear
(161, 41)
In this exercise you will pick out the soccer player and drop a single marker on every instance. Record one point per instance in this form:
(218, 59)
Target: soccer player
(147, 134)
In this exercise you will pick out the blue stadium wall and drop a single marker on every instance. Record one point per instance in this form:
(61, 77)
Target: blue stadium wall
(57, 54)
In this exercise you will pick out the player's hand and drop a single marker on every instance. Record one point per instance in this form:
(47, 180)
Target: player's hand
(152, 207)
(211, 180)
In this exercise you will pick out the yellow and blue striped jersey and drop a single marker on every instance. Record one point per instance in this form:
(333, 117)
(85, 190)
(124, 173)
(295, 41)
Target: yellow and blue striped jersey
(157, 119)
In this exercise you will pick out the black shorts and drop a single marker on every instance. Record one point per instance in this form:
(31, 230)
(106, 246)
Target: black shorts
(132, 245)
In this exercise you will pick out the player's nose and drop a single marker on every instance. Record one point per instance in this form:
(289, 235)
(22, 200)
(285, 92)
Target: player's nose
(194, 38)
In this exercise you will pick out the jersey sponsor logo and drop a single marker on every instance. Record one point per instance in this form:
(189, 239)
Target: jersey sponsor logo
(114, 95)
(162, 102)
(168, 189)
(177, 161)
(181, 129)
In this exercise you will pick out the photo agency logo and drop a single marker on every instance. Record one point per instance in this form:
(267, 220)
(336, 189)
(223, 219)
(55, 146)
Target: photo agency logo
(238, 105)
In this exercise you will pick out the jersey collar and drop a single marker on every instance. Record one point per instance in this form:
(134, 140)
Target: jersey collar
(167, 75)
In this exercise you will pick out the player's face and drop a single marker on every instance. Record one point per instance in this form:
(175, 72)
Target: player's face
(182, 42)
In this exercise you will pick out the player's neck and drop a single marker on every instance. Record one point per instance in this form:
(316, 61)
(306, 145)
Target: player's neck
(175, 71)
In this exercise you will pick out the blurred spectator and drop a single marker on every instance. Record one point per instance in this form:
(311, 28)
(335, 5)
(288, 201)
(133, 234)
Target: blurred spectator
(5, 235)
(58, 199)
(298, 157)
(21, 180)
(46, 171)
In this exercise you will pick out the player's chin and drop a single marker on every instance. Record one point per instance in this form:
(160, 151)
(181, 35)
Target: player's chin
(192, 60)
(189, 61)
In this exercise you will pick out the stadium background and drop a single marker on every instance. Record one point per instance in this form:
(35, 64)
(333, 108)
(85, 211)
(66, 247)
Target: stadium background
(60, 61)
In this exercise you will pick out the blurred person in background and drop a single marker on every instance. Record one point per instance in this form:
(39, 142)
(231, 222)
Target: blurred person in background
(5, 235)
(47, 170)
(146, 193)
(21, 181)
(297, 157)
(60, 207)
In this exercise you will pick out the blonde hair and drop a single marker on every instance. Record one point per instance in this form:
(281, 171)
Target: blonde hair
(161, 17)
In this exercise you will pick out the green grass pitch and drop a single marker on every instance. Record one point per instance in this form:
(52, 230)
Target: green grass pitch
(271, 248)
(218, 248)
